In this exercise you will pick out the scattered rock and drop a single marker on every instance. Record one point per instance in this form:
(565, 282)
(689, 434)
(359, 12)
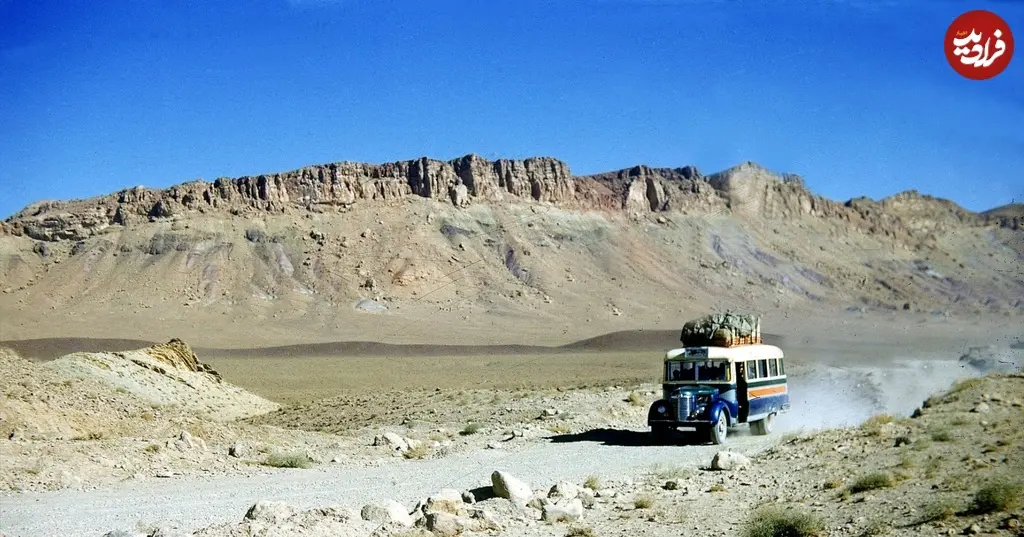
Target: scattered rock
(447, 501)
(392, 440)
(370, 306)
(387, 512)
(564, 490)
(269, 512)
(506, 486)
(729, 460)
(449, 525)
(563, 511)
(238, 450)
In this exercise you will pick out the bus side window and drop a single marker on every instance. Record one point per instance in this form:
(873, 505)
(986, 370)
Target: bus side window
(751, 370)
(782, 368)
(773, 367)
(762, 368)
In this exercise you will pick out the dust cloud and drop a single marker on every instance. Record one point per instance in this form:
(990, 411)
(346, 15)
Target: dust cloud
(834, 396)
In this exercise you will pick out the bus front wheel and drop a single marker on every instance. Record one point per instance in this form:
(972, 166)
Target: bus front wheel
(720, 429)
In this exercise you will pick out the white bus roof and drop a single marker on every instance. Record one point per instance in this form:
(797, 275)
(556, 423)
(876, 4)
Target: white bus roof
(739, 353)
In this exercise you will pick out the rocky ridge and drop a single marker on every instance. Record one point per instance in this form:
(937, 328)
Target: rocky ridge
(747, 189)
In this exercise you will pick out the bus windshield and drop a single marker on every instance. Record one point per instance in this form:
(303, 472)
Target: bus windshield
(707, 370)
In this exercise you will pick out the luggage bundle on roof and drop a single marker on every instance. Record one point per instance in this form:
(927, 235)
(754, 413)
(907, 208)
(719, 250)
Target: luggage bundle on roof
(722, 330)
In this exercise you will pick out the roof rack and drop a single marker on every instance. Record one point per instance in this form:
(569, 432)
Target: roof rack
(722, 330)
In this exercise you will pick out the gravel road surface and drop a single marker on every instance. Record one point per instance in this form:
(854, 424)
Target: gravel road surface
(193, 502)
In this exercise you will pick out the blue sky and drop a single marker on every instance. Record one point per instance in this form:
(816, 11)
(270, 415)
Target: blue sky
(856, 96)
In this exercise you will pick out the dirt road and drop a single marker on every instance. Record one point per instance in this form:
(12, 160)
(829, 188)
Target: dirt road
(193, 502)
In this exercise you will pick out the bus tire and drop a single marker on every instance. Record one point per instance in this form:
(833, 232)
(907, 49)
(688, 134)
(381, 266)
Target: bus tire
(720, 429)
(764, 426)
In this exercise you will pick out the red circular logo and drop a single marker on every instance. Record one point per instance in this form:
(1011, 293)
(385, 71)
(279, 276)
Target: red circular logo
(978, 45)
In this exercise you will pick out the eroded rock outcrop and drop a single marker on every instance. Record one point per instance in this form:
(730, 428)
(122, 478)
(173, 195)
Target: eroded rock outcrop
(747, 190)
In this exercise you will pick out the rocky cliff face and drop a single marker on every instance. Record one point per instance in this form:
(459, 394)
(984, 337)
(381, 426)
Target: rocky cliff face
(746, 190)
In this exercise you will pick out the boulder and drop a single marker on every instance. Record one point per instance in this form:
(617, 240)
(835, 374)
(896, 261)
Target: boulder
(447, 501)
(269, 512)
(565, 490)
(392, 440)
(387, 512)
(507, 486)
(449, 525)
(563, 511)
(728, 460)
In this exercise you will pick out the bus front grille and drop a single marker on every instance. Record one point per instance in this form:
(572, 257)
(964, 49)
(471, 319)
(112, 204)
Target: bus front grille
(685, 406)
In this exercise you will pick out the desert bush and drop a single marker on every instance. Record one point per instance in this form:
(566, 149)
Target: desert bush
(420, 451)
(666, 472)
(644, 501)
(775, 521)
(901, 475)
(878, 420)
(718, 487)
(153, 448)
(636, 399)
(832, 484)
(965, 384)
(938, 510)
(580, 531)
(471, 428)
(942, 435)
(906, 461)
(872, 481)
(934, 465)
(997, 497)
(290, 460)
(592, 482)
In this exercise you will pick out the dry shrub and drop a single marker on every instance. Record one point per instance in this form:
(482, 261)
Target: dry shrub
(774, 521)
(872, 481)
(997, 497)
(290, 460)
(938, 510)
(471, 428)
(420, 451)
(580, 531)
(644, 501)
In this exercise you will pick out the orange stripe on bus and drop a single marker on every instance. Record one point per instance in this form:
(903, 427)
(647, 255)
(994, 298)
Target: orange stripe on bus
(770, 390)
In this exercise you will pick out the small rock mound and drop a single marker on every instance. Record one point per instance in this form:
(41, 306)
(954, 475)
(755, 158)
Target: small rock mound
(164, 374)
(176, 353)
(283, 520)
